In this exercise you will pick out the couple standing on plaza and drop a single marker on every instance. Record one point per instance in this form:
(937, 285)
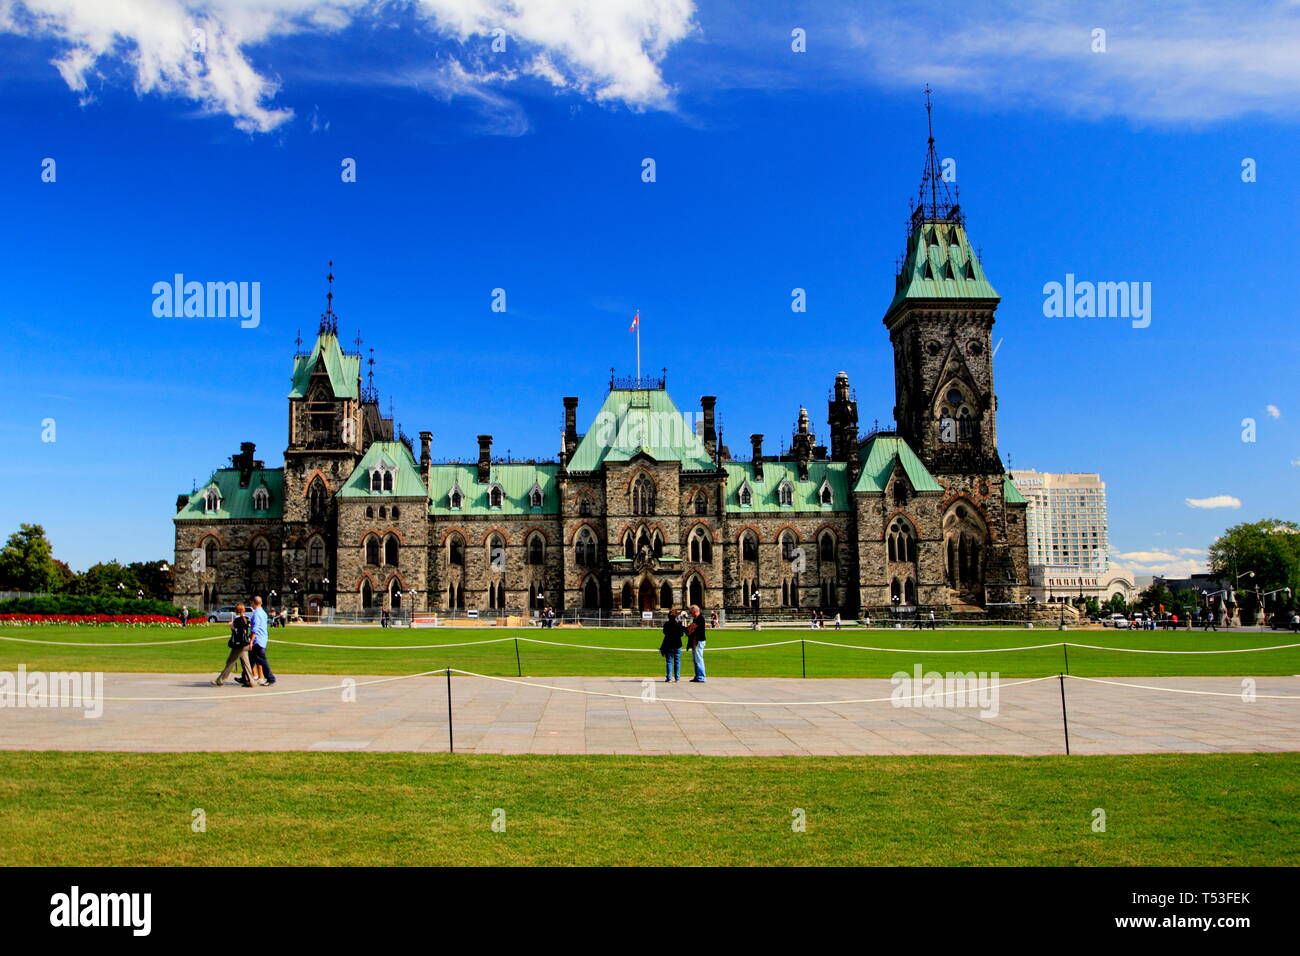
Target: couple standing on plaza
(247, 645)
(690, 623)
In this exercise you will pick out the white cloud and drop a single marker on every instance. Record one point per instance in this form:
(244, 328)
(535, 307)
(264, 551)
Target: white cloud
(1273, 411)
(1180, 562)
(1296, 462)
(1173, 61)
(1217, 501)
(608, 50)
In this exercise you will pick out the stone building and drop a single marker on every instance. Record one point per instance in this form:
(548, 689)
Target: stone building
(644, 510)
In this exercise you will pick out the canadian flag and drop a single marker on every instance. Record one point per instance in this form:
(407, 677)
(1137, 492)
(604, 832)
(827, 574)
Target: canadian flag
(636, 320)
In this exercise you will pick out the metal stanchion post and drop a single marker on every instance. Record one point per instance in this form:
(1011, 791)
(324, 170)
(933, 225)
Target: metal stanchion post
(1065, 721)
(451, 737)
(518, 666)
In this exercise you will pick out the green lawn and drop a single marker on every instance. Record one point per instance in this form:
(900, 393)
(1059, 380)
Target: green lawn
(92, 809)
(540, 660)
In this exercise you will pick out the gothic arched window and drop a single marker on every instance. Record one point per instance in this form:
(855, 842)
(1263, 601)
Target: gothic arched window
(318, 501)
(391, 549)
(456, 550)
(748, 547)
(585, 550)
(643, 496)
(536, 550)
(372, 550)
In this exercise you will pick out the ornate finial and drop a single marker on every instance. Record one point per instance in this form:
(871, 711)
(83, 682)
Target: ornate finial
(357, 340)
(935, 200)
(298, 343)
(370, 376)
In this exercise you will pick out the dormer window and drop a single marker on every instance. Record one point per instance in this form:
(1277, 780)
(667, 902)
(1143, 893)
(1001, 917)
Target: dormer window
(825, 495)
(212, 500)
(455, 498)
(785, 494)
(535, 496)
(745, 495)
(261, 499)
(382, 476)
(496, 496)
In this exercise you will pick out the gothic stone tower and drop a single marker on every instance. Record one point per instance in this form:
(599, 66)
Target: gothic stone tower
(940, 323)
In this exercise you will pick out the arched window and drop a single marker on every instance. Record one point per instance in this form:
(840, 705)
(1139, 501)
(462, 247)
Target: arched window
(388, 481)
(591, 594)
(701, 502)
(787, 545)
(536, 550)
(455, 499)
(909, 591)
(495, 496)
(666, 595)
(535, 496)
(901, 541)
(315, 553)
(372, 550)
(629, 545)
(376, 480)
(826, 495)
(826, 546)
(657, 545)
(391, 550)
(695, 592)
(955, 414)
(261, 499)
(629, 596)
(496, 553)
(370, 512)
(456, 550)
(396, 513)
(748, 547)
(212, 500)
(318, 502)
(210, 555)
(643, 496)
(745, 496)
(584, 551)
(701, 547)
(395, 595)
(367, 594)
(584, 507)
(261, 553)
(785, 493)
(383, 511)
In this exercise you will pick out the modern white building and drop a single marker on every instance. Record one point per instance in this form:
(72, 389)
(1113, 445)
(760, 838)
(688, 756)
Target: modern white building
(1068, 537)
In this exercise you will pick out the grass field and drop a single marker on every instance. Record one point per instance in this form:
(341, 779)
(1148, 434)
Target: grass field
(358, 809)
(540, 660)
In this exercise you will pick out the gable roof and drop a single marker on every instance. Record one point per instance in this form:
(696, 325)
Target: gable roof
(940, 264)
(1010, 493)
(636, 421)
(878, 457)
(516, 481)
(776, 473)
(237, 502)
(406, 480)
(344, 371)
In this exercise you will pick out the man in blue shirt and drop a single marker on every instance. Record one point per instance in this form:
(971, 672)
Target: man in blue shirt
(257, 653)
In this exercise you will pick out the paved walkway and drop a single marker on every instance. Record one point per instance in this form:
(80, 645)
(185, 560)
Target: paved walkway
(497, 717)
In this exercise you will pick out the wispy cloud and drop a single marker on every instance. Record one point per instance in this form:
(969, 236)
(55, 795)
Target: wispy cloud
(1175, 562)
(199, 50)
(1273, 411)
(1217, 501)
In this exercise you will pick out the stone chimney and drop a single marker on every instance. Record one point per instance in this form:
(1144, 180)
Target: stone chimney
(707, 404)
(426, 440)
(801, 446)
(757, 442)
(181, 502)
(245, 462)
(570, 426)
(484, 458)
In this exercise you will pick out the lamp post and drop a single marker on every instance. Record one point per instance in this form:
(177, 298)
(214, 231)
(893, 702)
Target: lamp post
(896, 600)
(754, 601)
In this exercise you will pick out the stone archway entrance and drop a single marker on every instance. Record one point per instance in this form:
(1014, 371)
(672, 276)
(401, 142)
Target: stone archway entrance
(965, 541)
(646, 600)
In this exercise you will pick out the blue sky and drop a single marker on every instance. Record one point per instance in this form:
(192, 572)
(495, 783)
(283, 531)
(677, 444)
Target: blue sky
(521, 170)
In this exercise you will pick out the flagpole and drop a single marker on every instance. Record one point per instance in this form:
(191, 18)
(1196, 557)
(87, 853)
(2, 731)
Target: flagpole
(638, 348)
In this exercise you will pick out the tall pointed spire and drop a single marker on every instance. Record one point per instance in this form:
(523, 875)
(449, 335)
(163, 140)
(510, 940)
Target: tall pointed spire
(329, 322)
(935, 201)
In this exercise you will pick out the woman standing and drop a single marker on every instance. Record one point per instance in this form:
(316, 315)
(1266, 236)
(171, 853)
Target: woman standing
(671, 648)
(240, 637)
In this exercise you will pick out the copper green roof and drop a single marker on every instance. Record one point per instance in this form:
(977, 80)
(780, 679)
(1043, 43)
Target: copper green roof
(940, 264)
(806, 495)
(516, 480)
(406, 478)
(344, 371)
(1010, 493)
(878, 457)
(237, 502)
(633, 421)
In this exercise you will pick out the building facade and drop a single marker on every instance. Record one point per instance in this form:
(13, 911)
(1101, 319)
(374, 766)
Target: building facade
(642, 510)
(1068, 538)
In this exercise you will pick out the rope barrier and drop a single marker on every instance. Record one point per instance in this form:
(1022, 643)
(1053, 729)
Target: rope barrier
(1179, 690)
(278, 693)
(193, 640)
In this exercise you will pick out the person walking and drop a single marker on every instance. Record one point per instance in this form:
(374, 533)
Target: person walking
(671, 646)
(185, 615)
(257, 653)
(714, 620)
(240, 636)
(932, 619)
(1211, 622)
(695, 641)
(837, 620)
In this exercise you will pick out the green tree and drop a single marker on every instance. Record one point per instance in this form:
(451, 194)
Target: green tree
(154, 581)
(27, 561)
(1270, 548)
(1116, 605)
(104, 578)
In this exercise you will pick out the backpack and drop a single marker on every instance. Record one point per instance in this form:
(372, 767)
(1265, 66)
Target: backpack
(239, 633)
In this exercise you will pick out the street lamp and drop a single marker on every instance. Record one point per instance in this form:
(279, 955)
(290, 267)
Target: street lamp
(754, 601)
(896, 600)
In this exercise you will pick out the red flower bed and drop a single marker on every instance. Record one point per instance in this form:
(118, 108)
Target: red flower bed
(91, 619)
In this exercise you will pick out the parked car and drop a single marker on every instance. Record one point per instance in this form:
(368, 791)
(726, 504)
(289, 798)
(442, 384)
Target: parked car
(1117, 621)
(222, 615)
